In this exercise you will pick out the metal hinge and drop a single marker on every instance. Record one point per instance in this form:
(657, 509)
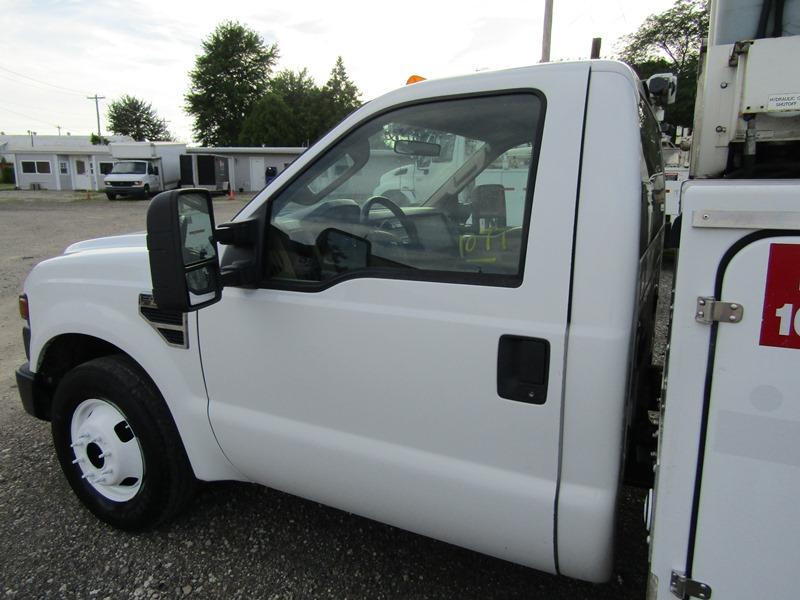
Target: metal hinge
(685, 588)
(710, 310)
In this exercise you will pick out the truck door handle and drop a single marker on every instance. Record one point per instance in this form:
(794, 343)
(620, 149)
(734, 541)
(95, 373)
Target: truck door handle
(523, 364)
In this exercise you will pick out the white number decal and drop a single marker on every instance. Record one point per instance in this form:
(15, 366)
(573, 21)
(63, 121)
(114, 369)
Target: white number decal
(784, 313)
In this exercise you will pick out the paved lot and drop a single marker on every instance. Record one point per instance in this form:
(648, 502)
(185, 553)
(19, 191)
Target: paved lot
(236, 540)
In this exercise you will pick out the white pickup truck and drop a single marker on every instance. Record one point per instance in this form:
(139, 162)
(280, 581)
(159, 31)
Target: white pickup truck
(443, 368)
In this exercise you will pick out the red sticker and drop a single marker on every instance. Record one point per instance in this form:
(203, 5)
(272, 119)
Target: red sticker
(780, 322)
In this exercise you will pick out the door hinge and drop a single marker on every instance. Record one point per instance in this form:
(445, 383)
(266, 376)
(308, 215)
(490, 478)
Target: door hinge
(710, 310)
(685, 588)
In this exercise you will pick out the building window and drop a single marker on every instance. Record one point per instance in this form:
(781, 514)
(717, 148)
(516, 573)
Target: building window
(39, 166)
(105, 167)
(63, 168)
(80, 167)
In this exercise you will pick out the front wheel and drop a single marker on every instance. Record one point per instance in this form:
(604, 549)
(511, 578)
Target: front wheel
(111, 196)
(146, 192)
(118, 445)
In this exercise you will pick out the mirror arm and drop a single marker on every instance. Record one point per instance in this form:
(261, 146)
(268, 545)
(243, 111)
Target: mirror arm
(239, 274)
(238, 233)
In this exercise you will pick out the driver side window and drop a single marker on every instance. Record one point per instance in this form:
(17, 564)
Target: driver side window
(434, 191)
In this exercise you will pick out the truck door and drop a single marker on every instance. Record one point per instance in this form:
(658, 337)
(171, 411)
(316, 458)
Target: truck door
(405, 363)
(746, 519)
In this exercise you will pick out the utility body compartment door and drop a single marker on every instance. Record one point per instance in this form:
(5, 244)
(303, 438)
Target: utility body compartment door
(378, 393)
(749, 473)
(725, 500)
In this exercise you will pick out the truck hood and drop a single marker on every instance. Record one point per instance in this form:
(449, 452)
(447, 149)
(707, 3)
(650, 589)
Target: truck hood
(131, 240)
(93, 270)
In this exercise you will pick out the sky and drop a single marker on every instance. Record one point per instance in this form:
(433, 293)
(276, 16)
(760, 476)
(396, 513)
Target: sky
(56, 53)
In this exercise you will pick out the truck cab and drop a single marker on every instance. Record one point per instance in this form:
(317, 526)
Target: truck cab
(465, 366)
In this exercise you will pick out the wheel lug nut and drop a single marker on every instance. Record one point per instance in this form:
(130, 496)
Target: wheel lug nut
(77, 461)
(80, 440)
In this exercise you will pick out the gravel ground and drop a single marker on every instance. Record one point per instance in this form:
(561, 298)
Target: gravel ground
(236, 540)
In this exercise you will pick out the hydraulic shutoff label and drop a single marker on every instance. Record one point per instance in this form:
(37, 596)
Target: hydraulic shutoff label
(779, 102)
(780, 322)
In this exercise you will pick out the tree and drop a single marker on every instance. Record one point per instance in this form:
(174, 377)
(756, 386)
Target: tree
(307, 111)
(670, 41)
(342, 96)
(131, 116)
(269, 123)
(290, 114)
(302, 95)
(229, 77)
(96, 140)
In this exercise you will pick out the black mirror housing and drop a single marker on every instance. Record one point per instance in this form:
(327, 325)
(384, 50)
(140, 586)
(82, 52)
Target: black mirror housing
(181, 243)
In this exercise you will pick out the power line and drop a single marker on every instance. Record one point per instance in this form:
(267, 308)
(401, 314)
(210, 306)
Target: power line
(33, 118)
(33, 85)
(60, 112)
(52, 85)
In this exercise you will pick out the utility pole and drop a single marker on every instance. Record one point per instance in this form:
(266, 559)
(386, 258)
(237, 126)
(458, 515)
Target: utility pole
(59, 129)
(31, 133)
(596, 47)
(97, 99)
(548, 28)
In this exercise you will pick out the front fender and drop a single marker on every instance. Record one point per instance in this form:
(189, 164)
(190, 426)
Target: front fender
(108, 309)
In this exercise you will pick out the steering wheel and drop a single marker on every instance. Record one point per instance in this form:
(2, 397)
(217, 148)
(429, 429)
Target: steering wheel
(402, 217)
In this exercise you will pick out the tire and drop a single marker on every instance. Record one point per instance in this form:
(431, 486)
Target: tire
(146, 192)
(118, 445)
(111, 196)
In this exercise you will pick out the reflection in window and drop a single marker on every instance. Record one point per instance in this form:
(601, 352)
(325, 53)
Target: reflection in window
(454, 202)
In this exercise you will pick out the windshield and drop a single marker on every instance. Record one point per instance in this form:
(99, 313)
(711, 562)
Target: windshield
(129, 167)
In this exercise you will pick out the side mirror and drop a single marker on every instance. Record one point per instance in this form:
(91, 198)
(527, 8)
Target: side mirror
(343, 251)
(184, 265)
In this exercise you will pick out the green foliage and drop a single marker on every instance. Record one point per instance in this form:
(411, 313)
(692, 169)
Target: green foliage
(98, 139)
(6, 171)
(300, 93)
(229, 77)
(305, 111)
(269, 123)
(131, 116)
(341, 95)
(675, 34)
(670, 42)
